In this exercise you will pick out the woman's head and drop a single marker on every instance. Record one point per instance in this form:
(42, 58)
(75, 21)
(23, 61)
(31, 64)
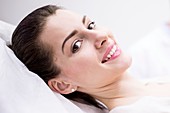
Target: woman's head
(81, 50)
(69, 52)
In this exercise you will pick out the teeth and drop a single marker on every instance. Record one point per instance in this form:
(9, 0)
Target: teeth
(114, 48)
(111, 53)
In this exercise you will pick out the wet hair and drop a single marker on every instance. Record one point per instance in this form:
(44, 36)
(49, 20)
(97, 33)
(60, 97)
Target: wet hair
(38, 56)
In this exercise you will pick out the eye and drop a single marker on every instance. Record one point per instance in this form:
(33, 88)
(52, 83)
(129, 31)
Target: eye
(76, 46)
(91, 25)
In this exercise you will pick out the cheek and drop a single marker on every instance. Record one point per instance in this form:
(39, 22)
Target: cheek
(82, 67)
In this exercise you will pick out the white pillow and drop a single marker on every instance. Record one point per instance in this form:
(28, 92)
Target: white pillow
(22, 91)
(151, 55)
(6, 31)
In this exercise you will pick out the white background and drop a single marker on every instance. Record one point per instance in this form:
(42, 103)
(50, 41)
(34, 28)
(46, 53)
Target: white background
(129, 20)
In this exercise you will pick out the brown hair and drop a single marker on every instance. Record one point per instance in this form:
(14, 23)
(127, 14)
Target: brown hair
(37, 56)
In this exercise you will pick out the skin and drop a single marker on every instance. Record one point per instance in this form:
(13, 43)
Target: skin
(83, 70)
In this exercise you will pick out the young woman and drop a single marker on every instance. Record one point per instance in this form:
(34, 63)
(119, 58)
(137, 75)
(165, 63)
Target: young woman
(82, 61)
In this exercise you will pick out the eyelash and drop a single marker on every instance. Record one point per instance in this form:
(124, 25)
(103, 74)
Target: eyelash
(91, 25)
(75, 47)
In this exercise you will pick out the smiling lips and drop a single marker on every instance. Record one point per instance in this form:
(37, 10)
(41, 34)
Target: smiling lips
(111, 53)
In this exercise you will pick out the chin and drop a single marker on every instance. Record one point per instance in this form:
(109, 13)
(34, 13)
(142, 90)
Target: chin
(124, 62)
(127, 61)
(120, 64)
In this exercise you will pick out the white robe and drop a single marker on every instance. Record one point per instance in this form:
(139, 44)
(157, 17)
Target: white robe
(146, 104)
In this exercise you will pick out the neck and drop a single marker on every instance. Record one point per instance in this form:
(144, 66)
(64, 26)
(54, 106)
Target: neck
(120, 92)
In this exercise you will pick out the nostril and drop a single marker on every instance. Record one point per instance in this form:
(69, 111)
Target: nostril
(103, 42)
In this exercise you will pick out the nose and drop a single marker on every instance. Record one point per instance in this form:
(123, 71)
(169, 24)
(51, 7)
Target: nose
(98, 38)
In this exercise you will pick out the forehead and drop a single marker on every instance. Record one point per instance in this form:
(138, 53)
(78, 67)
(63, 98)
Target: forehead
(59, 26)
(63, 19)
(62, 23)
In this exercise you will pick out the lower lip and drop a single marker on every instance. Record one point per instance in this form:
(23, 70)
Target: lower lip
(115, 55)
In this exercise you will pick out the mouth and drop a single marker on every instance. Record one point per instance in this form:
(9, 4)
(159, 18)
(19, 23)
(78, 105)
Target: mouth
(112, 53)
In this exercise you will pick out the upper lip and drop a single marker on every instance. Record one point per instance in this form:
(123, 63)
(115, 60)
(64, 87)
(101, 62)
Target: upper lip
(108, 49)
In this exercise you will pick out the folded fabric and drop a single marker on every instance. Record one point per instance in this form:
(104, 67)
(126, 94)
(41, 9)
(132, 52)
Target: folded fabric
(6, 31)
(147, 104)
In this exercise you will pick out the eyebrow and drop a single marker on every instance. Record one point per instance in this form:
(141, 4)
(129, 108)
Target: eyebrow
(74, 32)
(84, 18)
(67, 38)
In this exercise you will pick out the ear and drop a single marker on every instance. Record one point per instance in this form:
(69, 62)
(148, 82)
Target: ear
(60, 86)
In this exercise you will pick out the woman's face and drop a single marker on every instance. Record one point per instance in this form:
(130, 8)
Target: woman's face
(88, 55)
